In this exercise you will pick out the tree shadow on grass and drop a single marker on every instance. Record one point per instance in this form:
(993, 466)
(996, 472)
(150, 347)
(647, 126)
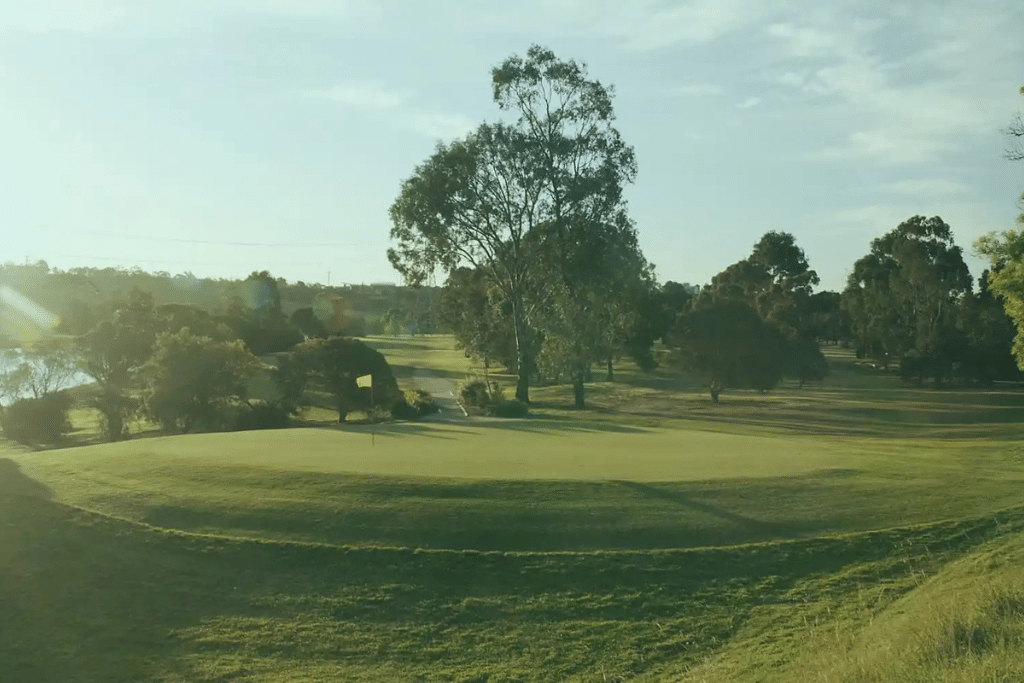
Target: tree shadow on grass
(766, 529)
(13, 482)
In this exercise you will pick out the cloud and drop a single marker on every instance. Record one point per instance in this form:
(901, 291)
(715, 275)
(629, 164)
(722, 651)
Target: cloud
(697, 90)
(83, 16)
(369, 96)
(921, 86)
(637, 25)
(400, 108)
(438, 125)
(928, 186)
(749, 103)
(42, 16)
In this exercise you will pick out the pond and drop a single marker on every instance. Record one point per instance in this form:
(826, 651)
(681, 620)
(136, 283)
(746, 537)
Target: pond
(11, 358)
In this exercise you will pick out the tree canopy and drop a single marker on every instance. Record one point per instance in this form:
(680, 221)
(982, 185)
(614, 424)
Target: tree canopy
(481, 201)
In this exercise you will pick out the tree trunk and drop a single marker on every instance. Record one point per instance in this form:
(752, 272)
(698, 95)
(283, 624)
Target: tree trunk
(522, 358)
(115, 425)
(610, 377)
(578, 390)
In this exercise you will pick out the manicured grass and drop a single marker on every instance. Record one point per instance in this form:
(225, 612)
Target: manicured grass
(842, 532)
(533, 484)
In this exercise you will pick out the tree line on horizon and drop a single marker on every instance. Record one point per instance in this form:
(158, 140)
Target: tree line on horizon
(545, 275)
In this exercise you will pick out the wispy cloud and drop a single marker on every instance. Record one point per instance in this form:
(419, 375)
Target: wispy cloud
(932, 187)
(368, 96)
(637, 25)
(697, 90)
(398, 107)
(749, 103)
(915, 104)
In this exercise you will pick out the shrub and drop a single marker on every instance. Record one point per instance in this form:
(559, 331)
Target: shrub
(414, 403)
(260, 415)
(475, 394)
(38, 420)
(513, 408)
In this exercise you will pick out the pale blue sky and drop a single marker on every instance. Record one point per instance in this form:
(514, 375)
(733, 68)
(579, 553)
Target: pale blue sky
(225, 136)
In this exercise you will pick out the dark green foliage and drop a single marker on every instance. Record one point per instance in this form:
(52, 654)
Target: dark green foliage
(113, 352)
(308, 323)
(484, 201)
(260, 415)
(729, 345)
(475, 394)
(42, 420)
(804, 361)
(479, 317)
(191, 383)
(902, 296)
(333, 365)
(510, 408)
(414, 404)
(264, 331)
(828, 320)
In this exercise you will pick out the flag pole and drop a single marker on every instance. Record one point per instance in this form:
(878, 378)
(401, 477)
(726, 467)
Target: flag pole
(373, 416)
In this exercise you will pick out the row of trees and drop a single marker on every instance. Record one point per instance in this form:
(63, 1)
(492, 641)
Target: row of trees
(187, 370)
(83, 297)
(545, 276)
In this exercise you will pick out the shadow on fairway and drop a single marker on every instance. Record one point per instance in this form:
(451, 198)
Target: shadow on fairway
(556, 423)
(400, 370)
(14, 483)
(766, 529)
(454, 426)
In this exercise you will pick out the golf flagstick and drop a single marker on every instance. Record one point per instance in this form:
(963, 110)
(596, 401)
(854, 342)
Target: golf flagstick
(367, 381)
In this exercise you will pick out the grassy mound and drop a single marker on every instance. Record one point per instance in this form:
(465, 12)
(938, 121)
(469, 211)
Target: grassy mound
(89, 597)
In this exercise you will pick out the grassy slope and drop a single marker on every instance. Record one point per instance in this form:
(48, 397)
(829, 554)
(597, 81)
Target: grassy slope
(312, 555)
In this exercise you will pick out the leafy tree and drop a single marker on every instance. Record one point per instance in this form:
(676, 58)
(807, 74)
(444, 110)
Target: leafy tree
(477, 201)
(728, 344)
(37, 420)
(306, 320)
(192, 382)
(175, 317)
(828, 320)
(261, 292)
(479, 318)
(44, 367)
(902, 296)
(333, 365)
(591, 294)
(113, 352)
(989, 333)
(776, 281)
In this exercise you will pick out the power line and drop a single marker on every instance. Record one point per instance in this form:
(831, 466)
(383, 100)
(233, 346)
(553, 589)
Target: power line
(183, 240)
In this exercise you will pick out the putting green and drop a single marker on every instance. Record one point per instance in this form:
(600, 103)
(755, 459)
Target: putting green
(529, 449)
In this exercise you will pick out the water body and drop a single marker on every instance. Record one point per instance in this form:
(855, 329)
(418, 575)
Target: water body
(11, 358)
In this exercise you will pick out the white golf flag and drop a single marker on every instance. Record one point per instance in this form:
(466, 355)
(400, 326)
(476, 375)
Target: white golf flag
(364, 381)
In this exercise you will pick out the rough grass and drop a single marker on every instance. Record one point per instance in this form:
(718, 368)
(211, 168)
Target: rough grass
(771, 538)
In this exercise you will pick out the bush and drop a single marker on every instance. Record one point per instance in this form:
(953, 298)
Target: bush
(513, 408)
(259, 415)
(475, 394)
(38, 420)
(413, 404)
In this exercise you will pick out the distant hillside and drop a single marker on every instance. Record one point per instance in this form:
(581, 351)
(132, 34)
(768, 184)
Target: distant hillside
(83, 296)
